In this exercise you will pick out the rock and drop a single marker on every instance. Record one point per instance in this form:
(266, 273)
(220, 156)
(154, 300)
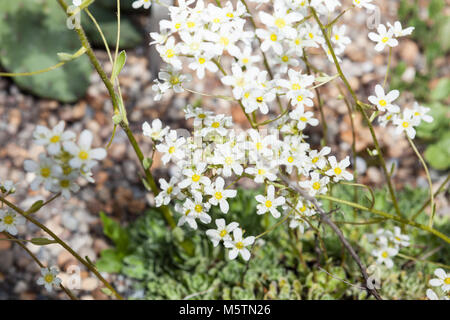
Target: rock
(4, 244)
(409, 51)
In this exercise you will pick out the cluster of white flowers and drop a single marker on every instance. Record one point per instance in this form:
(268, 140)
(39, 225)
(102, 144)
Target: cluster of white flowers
(405, 120)
(216, 152)
(442, 281)
(64, 161)
(388, 245)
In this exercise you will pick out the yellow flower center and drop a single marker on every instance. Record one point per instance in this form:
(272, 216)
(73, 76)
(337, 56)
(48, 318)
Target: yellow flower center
(303, 209)
(300, 98)
(261, 171)
(447, 281)
(405, 124)
(245, 60)
(170, 53)
(202, 116)
(290, 159)
(285, 58)
(215, 125)
(239, 245)
(8, 219)
(316, 186)
(384, 254)
(201, 60)
(218, 195)
(216, 20)
(190, 24)
(169, 190)
(230, 15)
(385, 39)
(64, 183)
(196, 178)
(225, 41)
(54, 139)
(258, 146)
(173, 80)
(336, 37)
(382, 102)
(311, 35)
(48, 278)
(246, 95)
(280, 23)
(171, 150)
(83, 155)
(198, 208)
(273, 37)
(297, 41)
(45, 172)
(223, 233)
(296, 86)
(315, 159)
(268, 203)
(177, 25)
(259, 99)
(228, 160)
(337, 170)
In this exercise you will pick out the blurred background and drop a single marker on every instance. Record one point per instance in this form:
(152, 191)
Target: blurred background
(33, 31)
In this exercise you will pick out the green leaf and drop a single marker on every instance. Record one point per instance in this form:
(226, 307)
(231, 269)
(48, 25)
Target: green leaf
(438, 154)
(35, 207)
(120, 62)
(147, 163)
(42, 241)
(115, 232)
(442, 90)
(110, 261)
(31, 35)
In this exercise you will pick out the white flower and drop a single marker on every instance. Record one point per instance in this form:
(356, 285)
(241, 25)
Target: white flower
(168, 191)
(52, 139)
(203, 62)
(192, 210)
(9, 220)
(229, 158)
(281, 21)
(399, 31)
(45, 171)
(169, 53)
(77, 3)
(172, 147)
(339, 38)
(270, 40)
(238, 245)
(303, 117)
(406, 123)
(139, 3)
(317, 159)
(383, 38)
(364, 4)
(245, 57)
(433, 296)
(83, 154)
(384, 255)
(400, 239)
(155, 131)
(222, 232)
(262, 171)
(259, 99)
(49, 278)
(269, 203)
(195, 177)
(65, 184)
(380, 238)
(442, 280)
(420, 113)
(337, 170)
(384, 101)
(315, 185)
(296, 222)
(173, 79)
(219, 195)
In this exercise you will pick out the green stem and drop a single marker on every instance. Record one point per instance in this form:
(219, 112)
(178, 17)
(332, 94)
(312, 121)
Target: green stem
(433, 209)
(389, 216)
(369, 124)
(63, 244)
